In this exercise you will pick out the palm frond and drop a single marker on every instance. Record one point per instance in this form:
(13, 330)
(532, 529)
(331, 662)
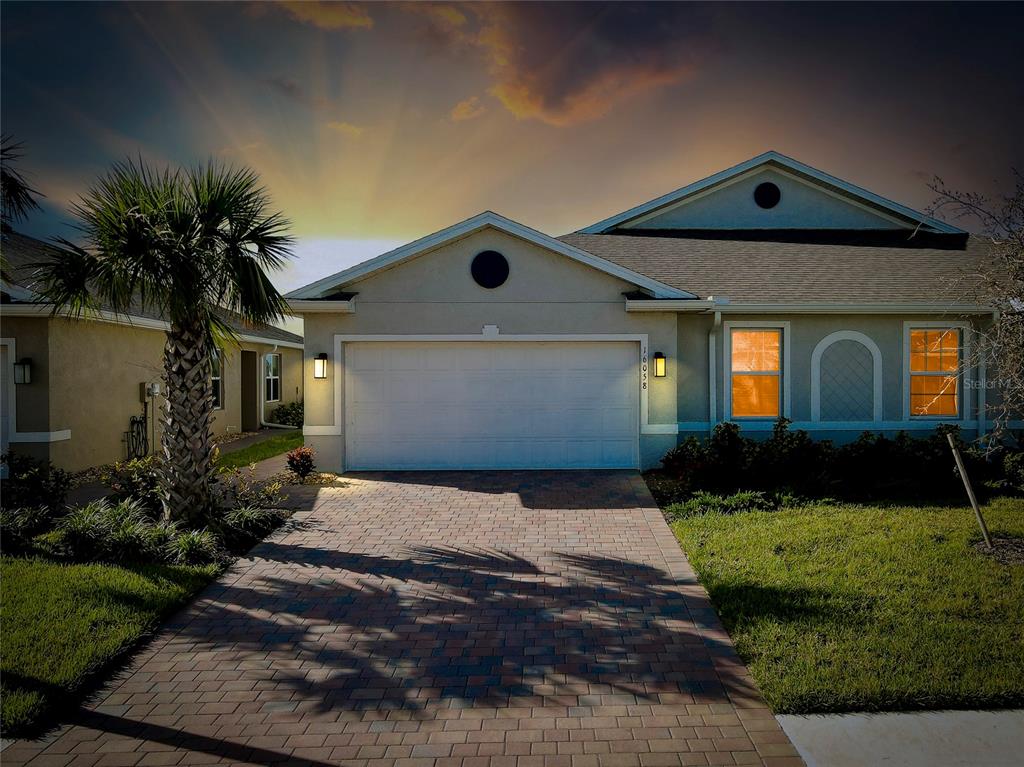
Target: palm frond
(17, 197)
(66, 279)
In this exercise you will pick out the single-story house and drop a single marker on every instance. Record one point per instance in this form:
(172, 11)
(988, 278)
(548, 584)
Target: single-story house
(86, 392)
(768, 290)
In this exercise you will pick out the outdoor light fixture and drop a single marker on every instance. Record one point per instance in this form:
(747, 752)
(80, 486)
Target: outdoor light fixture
(23, 371)
(659, 365)
(320, 365)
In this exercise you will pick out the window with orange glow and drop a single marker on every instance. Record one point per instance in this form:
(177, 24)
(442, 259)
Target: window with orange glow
(934, 368)
(756, 372)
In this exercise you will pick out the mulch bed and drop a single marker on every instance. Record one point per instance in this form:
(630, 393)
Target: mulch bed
(1006, 551)
(317, 478)
(234, 436)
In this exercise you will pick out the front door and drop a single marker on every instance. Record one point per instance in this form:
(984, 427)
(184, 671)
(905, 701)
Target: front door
(250, 391)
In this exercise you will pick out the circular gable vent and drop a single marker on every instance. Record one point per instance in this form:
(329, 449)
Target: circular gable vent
(489, 269)
(767, 195)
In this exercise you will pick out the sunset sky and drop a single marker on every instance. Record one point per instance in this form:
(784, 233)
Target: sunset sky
(375, 124)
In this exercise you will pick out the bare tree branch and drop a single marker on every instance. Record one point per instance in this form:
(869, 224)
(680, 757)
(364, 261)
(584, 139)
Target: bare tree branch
(997, 282)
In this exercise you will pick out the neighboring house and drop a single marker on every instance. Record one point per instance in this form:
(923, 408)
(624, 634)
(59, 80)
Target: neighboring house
(770, 289)
(83, 403)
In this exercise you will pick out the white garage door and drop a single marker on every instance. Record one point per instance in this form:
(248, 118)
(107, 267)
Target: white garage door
(499, 405)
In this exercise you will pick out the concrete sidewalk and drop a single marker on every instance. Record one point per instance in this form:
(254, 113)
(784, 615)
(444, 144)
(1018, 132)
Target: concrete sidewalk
(919, 739)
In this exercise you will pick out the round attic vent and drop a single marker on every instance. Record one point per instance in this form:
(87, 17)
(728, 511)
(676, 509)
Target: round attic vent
(767, 195)
(489, 269)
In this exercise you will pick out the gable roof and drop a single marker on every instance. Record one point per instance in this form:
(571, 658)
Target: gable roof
(21, 252)
(331, 284)
(775, 159)
(794, 272)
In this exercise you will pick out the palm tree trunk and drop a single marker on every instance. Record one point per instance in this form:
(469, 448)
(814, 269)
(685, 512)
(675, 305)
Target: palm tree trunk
(188, 456)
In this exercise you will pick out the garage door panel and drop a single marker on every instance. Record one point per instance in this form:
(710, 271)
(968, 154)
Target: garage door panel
(617, 421)
(492, 405)
(618, 452)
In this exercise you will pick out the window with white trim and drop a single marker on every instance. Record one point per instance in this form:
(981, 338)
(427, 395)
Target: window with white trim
(935, 372)
(217, 379)
(272, 378)
(756, 372)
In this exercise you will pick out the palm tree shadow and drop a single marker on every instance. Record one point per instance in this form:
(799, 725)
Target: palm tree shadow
(337, 634)
(455, 627)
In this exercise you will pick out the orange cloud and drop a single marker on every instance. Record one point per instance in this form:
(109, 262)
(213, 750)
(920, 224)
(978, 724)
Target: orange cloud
(467, 109)
(329, 15)
(344, 128)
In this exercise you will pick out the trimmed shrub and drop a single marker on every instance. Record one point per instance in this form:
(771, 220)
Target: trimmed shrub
(1013, 469)
(300, 461)
(193, 547)
(869, 468)
(288, 415)
(31, 483)
(135, 480)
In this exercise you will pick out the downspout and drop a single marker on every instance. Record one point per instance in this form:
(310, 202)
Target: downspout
(713, 372)
(263, 404)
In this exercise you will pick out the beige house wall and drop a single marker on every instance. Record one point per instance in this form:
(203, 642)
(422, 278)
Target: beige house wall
(96, 369)
(86, 376)
(32, 413)
(229, 418)
(434, 294)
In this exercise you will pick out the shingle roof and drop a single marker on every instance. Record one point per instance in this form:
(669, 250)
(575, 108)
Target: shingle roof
(787, 272)
(20, 252)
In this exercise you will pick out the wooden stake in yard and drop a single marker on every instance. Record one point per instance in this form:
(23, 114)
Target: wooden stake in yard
(970, 490)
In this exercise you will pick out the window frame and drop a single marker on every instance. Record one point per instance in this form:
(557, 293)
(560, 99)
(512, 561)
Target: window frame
(784, 371)
(962, 403)
(217, 381)
(268, 377)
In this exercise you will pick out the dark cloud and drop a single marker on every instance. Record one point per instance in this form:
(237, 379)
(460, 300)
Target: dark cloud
(565, 63)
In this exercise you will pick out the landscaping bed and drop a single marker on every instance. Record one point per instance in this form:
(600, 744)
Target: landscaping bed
(80, 586)
(842, 607)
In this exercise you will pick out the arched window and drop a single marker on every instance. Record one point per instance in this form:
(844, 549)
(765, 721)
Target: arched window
(846, 378)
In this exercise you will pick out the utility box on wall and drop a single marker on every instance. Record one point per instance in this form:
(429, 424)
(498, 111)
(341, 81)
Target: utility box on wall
(148, 391)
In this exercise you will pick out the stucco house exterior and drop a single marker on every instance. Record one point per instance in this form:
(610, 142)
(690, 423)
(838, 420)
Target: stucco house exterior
(769, 289)
(91, 379)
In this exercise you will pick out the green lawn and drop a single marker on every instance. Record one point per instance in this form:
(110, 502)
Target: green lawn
(863, 608)
(268, 448)
(62, 623)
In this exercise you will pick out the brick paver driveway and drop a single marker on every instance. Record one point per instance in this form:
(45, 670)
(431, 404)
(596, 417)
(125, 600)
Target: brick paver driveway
(515, 619)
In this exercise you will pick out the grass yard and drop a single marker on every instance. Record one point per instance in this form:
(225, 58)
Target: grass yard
(865, 608)
(62, 623)
(268, 448)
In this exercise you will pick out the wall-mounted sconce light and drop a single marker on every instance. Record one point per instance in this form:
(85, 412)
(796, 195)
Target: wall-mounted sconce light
(659, 365)
(23, 371)
(320, 365)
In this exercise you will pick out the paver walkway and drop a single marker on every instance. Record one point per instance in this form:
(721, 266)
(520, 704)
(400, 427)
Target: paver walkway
(515, 619)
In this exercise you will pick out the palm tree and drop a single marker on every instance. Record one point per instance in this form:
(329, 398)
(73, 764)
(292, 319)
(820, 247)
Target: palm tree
(188, 244)
(17, 198)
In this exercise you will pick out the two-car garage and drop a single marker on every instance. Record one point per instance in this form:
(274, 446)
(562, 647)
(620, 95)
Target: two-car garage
(491, 404)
